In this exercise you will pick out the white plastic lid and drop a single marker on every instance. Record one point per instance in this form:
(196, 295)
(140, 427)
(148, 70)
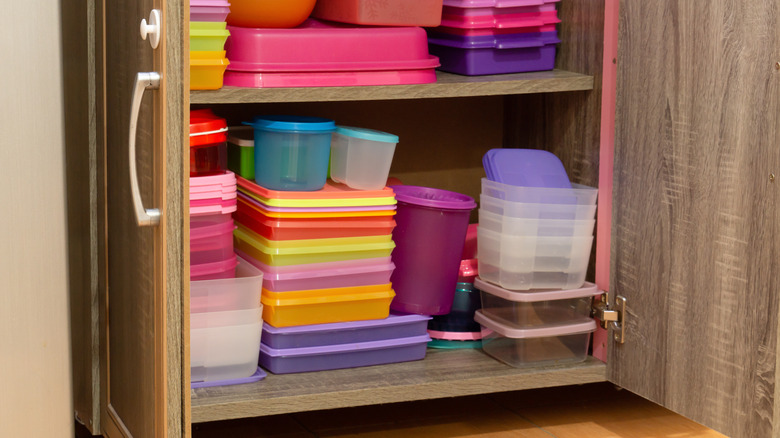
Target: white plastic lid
(241, 136)
(587, 290)
(540, 332)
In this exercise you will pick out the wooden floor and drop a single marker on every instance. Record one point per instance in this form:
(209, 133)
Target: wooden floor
(593, 410)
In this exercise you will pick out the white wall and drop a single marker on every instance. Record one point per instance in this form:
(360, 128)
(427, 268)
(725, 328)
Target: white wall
(35, 377)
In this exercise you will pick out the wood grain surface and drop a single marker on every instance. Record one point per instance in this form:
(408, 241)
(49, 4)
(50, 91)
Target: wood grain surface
(695, 220)
(446, 85)
(440, 374)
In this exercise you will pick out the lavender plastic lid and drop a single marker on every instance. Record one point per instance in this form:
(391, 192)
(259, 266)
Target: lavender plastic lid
(435, 198)
(344, 348)
(257, 376)
(393, 319)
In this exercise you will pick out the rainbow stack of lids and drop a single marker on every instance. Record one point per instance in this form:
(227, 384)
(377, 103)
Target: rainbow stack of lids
(208, 33)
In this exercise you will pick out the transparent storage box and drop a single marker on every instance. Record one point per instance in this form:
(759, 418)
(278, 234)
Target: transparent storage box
(536, 211)
(535, 227)
(577, 195)
(227, 294)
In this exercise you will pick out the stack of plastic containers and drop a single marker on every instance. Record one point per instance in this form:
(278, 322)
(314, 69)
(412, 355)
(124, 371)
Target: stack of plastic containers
(481, 37)
(207, 40)
(534, 240)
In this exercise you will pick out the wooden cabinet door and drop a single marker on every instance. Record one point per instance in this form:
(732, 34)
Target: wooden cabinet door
(145, 359)
(696, 227)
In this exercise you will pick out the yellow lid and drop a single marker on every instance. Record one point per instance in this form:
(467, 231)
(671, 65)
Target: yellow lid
(216, 54)
(313, 246)
(342, 202)
(321, 296)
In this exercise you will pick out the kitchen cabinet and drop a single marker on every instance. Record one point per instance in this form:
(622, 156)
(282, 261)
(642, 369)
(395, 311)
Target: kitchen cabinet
(688, 221)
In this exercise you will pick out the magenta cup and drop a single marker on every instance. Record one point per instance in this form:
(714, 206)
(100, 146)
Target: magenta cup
(429, 235)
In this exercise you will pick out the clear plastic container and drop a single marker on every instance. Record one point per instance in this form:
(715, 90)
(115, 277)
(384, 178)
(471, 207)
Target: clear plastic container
(537, 211)
(361, 158)
(224, 345)
(535, 227)
(239, 293)
(322, 306)
(546, 346)
(536, 308)
(577, 195)
(215, 270)
(292, 152)
(529, 262)
(211, 238)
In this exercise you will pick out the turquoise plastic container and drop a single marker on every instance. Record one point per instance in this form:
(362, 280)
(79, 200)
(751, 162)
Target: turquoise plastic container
(292, 152)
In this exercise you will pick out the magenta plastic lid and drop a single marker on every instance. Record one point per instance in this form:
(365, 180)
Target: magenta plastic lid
(211, 3)
(226, 179)
(495, 3)
(534, 296)
(435, 198)
(509, 331)
(213, 268)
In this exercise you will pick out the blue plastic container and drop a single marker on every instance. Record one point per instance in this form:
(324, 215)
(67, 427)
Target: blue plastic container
(292, 152)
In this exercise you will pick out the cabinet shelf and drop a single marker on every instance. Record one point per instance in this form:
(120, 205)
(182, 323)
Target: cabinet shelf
(446, 85)
(443, 373)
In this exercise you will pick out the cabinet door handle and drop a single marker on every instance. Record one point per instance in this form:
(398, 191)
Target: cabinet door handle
(143, 81)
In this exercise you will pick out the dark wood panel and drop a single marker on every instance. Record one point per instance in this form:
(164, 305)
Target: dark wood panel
(695, 220)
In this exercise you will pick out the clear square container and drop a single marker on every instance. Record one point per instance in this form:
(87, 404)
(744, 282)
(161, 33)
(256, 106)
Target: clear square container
(239, 293)
(537, 308)
(525, 210)
(535, 227)
(361, 158)
(544, 346)
(577, 195)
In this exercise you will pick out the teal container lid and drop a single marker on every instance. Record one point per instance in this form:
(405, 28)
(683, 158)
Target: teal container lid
(293, 123)
(367, 134)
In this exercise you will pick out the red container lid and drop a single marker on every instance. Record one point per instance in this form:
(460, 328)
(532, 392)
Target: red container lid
(206, 128)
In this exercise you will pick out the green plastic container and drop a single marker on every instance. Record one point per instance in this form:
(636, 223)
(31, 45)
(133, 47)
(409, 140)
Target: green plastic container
(241, 151)
(208, 36)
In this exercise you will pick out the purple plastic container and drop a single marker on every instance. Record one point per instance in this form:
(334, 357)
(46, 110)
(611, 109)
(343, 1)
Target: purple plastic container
(494, 54)
(525, 167)
(430, 231)
(332, 357)
(317, 335)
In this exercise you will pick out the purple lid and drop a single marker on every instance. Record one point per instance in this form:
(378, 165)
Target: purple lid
(393, 319)
(257, 376)
(525, 168)
(343, 348)
(436, 198)
(500, 41)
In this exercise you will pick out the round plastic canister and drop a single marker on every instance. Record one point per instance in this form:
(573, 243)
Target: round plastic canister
(208, 143)
(467, 300)
(361, 158)
(292, 152)
(429, 235)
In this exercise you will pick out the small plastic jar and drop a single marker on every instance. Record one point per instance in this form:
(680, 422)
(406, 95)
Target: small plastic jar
(208, 143)
(361, 158)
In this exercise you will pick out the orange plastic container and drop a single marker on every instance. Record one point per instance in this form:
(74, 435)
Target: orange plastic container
(312, 228)
(317, 214)
(426, 13)
(269, 13)
(207, 73)
(323, 306)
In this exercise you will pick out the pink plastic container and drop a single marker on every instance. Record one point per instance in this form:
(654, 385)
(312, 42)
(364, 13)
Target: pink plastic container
(211, 238)
(214, 271)
(329, 79)
(226, 179)
(217, 206)
(481, 18)
(495, 3)
(318, 47)
(381, 12)
(209, 13)
(492, 31)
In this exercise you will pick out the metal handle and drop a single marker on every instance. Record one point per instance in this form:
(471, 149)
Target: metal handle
(143, 81)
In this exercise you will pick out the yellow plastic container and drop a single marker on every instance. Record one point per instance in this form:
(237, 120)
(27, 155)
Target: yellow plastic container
(334, 214)
(311, 243)
(302, 255)
(322, 306)
(342, 202)
(207, 70)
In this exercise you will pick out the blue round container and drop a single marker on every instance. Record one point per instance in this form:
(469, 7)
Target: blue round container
(292, 152)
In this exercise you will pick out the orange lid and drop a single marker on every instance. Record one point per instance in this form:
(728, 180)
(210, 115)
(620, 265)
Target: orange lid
(332, 190)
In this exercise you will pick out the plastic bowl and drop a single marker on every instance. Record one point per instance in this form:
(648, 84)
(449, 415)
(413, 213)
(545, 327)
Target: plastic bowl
(269, 13)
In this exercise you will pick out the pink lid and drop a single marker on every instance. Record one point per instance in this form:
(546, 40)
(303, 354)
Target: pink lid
(210, 3)
(224, 207)
(317, 270)
(533, 296)
(212, 230)
(226, 179)
(317, 46)
(501, 21)
(212, 195)
(225, 199)
(329, 79)
(495, 3)
(458, 336)
(213, 188)
(205, 269)
(508, 331)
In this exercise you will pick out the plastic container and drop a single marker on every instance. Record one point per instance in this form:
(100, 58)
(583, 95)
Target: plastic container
(209, 13)
(226, 179)
(241, 151)
(207, 36)
(221, 193)
(501, 18)
(298, 360)
(495, 3)
(525, 167)
(206, 73)
(224, 345)
(269, 13)
(215, 270)
(466, 301)
(469, 269)
(329, 275)
(208, 147)
(259, 375)
(537, 346)
(487, 55)
(577, 195)
(537, 308)
(452, 345)
(492, 31)
(458, 336)
(251, 205)
(318, 335)
(214, 206)
(239, 293)
(257, 248)
(361, 158)
(430, 231)
(304, 229)
(528, 262)
(332, 195)
(322, 306)
(211, 238)
(331, 79)
(535, 227)
(521, 210)
(381, 12)
(292, 152)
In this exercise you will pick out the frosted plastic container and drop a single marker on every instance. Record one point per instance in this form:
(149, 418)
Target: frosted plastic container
(577, 195)
(222, 193)
(361, 158)
(381, 12)
(535, 227)
(292, 152)
(536, 308)
(317, 335)
(330, 275)
(239, 293)
(224, 345)
(322, 306)
(522, 210)
(536, 346)
(211, 238)
(331, 357)
(527, 262)
(214, 271)
(209, 13)
(312, 228)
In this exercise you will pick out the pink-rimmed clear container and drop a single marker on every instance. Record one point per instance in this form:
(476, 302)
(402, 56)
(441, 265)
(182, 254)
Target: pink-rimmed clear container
(211, 238)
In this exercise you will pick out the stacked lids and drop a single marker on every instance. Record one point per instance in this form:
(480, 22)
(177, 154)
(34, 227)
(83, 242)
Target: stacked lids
(207, 40)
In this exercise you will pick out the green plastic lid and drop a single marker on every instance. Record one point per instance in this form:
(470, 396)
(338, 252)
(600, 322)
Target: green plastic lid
(367, 134)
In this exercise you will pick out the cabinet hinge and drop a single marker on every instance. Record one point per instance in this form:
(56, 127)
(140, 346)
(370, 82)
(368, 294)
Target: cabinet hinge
(613, 317)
